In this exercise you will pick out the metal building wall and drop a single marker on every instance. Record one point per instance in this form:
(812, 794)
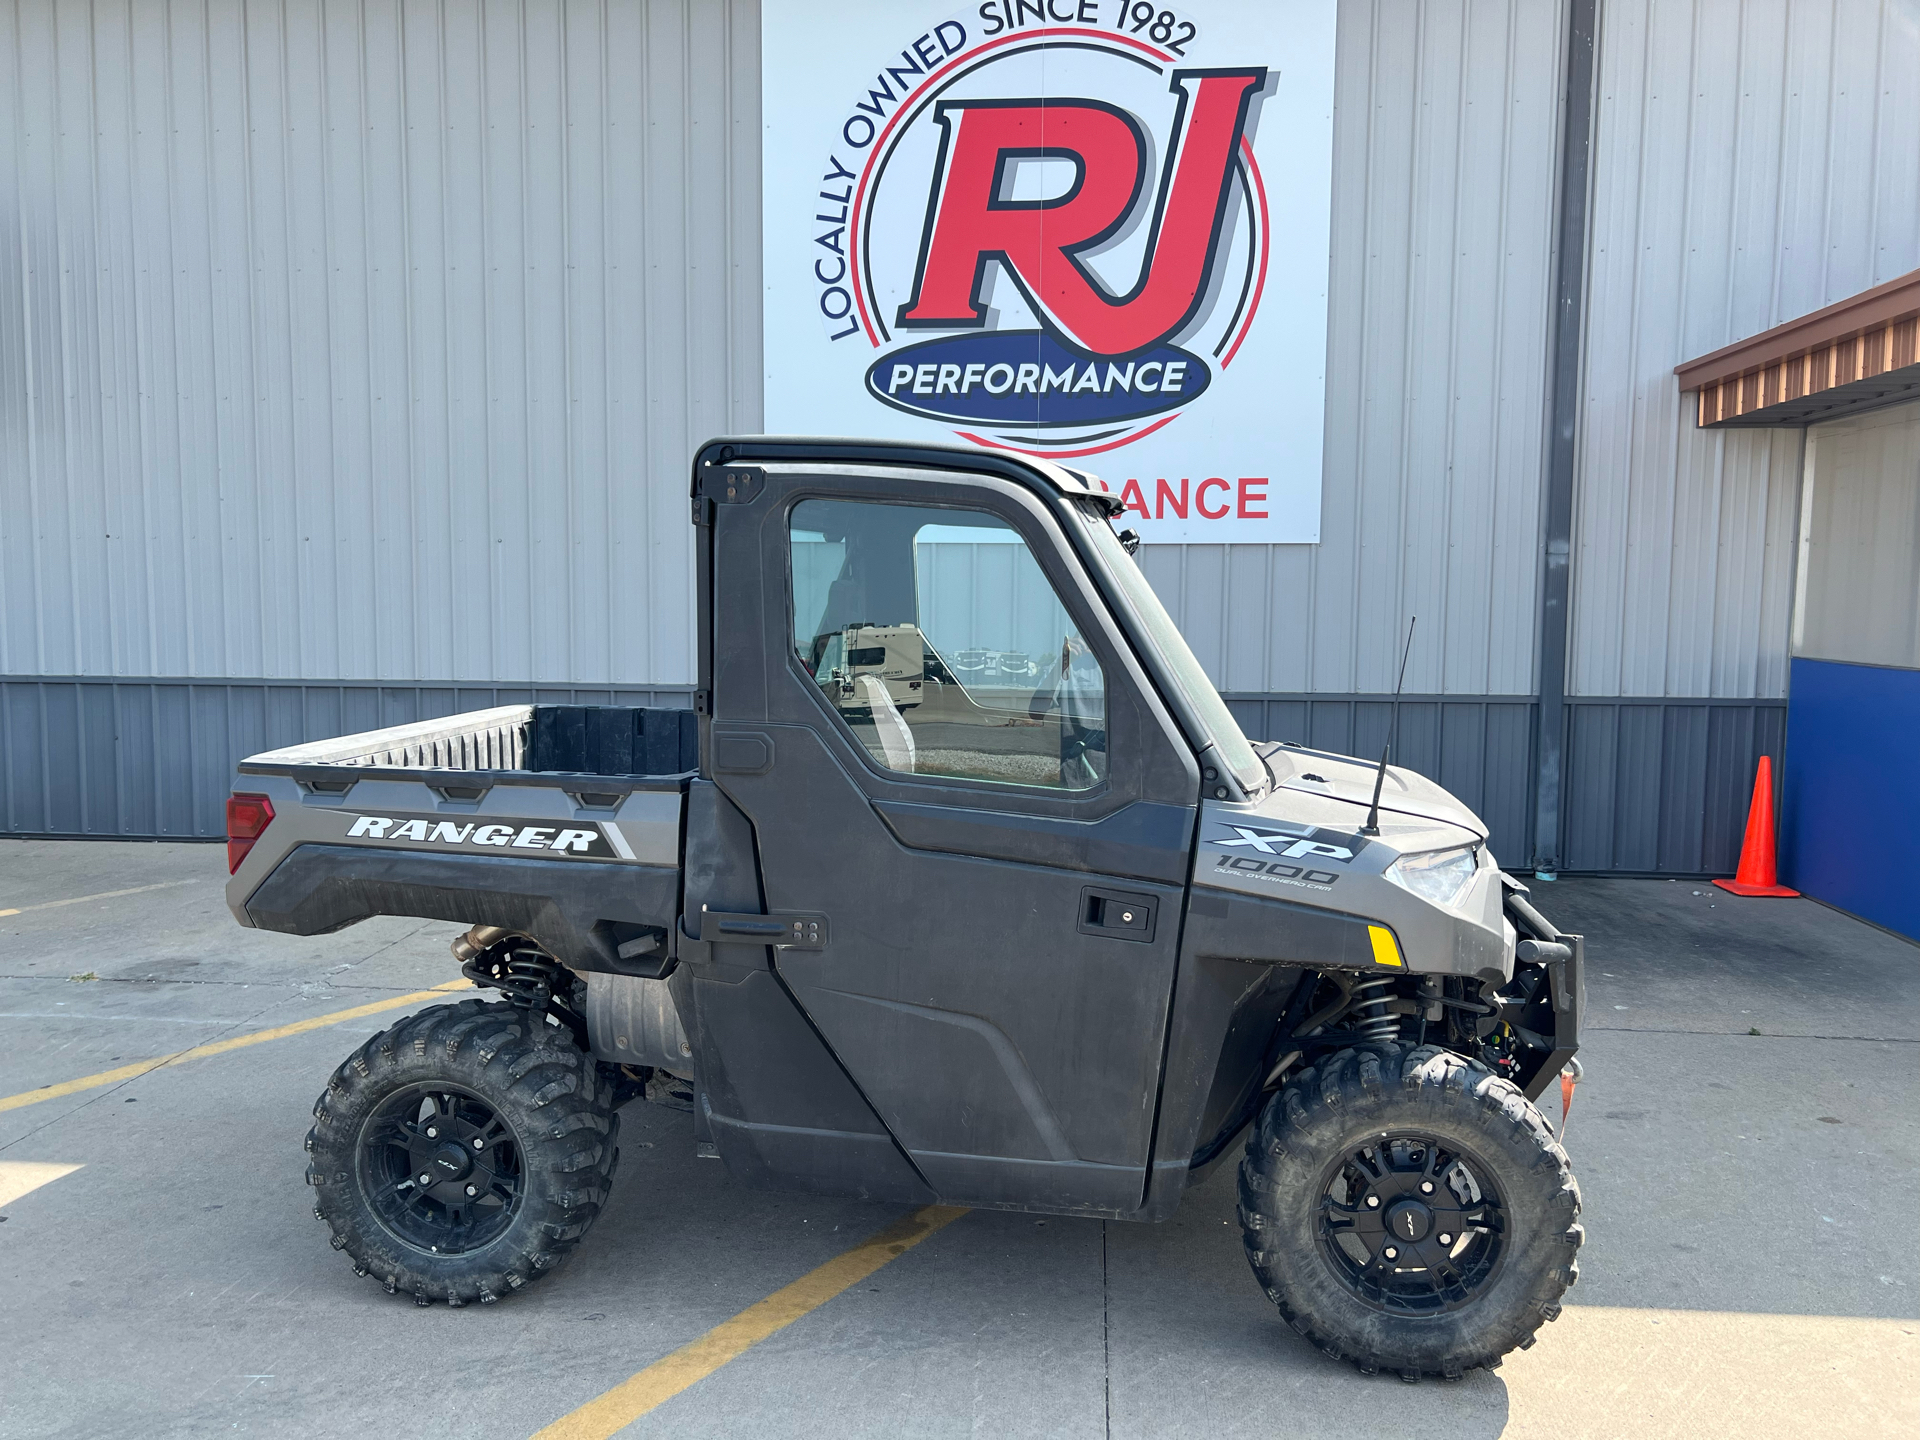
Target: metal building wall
(356, 352)
(334, 313)
(1446, 144)
(155, 758)
(369, 340)
(367, 343)
(1754, 160)
(1446, 137)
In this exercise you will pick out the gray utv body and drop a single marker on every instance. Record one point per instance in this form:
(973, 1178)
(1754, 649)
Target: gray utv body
(905, 986)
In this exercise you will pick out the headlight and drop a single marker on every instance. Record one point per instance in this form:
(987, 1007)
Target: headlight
(1437, 875)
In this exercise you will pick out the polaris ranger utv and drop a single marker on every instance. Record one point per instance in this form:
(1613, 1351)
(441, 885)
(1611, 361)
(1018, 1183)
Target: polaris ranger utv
(1053, 937)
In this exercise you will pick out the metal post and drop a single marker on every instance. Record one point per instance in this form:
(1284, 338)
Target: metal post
(1576, 147)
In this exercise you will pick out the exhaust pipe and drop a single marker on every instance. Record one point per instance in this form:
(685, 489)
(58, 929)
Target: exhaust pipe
(477, 940)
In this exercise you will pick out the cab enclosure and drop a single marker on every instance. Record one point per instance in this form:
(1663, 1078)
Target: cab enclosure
(958, 882)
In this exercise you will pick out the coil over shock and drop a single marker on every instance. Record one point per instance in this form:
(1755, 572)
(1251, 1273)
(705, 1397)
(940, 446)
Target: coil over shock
(1369, 1003)
(514, 965)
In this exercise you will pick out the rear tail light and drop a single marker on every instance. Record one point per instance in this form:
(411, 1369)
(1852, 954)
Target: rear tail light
(247, 819)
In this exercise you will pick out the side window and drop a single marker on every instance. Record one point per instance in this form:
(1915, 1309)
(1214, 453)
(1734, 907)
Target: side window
(942, 644)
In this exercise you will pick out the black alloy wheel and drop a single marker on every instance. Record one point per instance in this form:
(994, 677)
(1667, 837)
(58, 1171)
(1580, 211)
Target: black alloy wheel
(440, 1169)
(1412, 1224)
(1410, 1211)
(464, 1152)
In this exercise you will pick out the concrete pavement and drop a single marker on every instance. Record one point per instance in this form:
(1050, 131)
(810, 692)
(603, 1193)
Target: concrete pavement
(1749, 1211)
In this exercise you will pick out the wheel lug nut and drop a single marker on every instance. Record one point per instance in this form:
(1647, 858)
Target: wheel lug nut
(1373, 1202)
(1392, 1254)
(472, 1191)
(1426, 1187)
(426, 1179)
(479, 1144)
(432, 1134)
(1446, 1239)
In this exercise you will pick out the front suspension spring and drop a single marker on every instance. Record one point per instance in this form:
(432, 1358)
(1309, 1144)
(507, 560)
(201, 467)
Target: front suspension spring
(1376, 1022)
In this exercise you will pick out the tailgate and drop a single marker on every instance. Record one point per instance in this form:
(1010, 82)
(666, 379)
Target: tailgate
(586, 865)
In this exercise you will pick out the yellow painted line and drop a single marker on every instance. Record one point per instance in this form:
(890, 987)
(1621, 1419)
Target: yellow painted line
(103, 895)
(693, 1362)
(23, 1177)
(221, 1047)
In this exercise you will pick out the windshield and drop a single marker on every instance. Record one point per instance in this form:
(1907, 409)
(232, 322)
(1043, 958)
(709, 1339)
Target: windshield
(1182, 668)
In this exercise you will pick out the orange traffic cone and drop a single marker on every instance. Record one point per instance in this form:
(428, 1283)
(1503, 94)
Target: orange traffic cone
(1757, 875)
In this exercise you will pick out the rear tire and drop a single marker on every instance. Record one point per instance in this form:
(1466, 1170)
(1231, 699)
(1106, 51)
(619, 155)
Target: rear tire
(1357, 1171)
(514, 1125)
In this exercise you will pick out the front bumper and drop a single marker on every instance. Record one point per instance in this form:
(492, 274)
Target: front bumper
(1566, 987)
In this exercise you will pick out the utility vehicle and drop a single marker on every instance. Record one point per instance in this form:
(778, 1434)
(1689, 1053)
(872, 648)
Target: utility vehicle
(1055, 938)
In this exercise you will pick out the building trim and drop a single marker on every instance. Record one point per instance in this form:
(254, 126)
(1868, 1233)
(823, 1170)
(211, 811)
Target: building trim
(1873, 312)
(1859, 355)
(1570, 264)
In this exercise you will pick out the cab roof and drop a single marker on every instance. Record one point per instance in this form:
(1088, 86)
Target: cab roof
(1028, 469)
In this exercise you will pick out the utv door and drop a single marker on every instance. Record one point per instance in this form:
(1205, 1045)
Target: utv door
(946, 749)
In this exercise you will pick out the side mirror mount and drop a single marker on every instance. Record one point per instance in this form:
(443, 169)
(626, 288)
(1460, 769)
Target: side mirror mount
(1130, 541)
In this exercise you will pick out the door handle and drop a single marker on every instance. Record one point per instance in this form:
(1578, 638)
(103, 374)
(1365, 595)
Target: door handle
(1117, 914)
(784, 929)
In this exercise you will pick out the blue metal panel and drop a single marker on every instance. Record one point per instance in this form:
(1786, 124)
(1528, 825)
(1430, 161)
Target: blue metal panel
(1852, 788)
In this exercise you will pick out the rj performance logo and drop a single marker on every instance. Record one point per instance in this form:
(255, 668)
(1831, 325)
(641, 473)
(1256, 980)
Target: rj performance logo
(1054, 234)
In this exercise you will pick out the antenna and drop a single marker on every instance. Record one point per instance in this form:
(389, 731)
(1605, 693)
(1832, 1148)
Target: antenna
(1372, 827)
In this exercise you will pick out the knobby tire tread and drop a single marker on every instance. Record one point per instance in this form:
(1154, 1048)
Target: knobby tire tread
(1316, 1116)
(551, 1095)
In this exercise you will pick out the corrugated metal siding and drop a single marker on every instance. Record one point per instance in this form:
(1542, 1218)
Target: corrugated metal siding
(372, 340)
(1481, 750)
(1661, 787)
(1753, 162)
(102, 757)
(1655, 786)
(368, 340)
(1446, 124)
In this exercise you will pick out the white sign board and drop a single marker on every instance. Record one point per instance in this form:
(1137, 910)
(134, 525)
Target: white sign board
(1092, 230)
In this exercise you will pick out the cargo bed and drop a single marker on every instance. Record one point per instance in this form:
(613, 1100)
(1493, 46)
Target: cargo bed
(508, 817)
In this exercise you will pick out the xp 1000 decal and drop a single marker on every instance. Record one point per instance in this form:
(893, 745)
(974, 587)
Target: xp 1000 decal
(1275, 852)
(1090, 230)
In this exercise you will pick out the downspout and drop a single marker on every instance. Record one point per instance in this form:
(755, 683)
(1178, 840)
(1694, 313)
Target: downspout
(1576, 151)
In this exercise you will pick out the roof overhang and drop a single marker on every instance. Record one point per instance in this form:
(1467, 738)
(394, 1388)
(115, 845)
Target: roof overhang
(1858, 355)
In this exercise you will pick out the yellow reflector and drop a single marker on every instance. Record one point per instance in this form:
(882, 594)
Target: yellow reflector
(1385, 952)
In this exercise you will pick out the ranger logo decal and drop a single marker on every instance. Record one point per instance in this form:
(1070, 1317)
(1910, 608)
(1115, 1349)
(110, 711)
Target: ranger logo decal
(581, 841)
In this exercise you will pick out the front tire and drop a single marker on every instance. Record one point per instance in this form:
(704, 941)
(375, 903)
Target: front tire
(463, 1152)
(1409, 1211)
